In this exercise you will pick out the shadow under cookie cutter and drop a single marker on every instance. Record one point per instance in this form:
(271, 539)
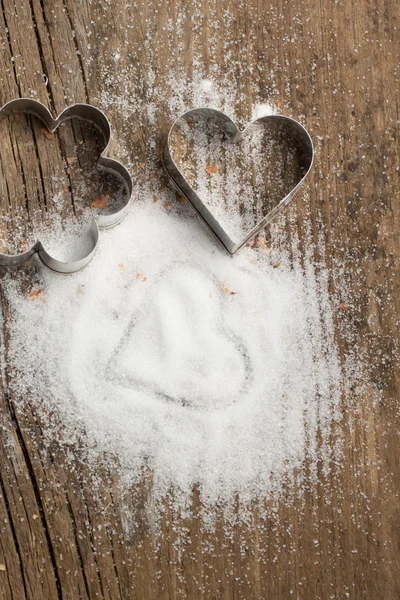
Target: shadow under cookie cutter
(92, 114)
(296, 131)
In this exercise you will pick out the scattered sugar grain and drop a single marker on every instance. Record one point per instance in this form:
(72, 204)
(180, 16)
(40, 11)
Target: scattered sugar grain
(263, 110)
(168, 371)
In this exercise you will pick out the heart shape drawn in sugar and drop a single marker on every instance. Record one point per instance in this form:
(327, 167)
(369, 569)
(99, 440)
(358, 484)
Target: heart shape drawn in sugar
(92, 114)
(237, 181)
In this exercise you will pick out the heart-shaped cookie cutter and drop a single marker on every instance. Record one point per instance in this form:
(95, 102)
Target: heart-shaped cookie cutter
(294, 129)
(90, 113)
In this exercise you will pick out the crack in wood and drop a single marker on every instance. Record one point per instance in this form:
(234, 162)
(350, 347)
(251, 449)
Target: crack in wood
(78, 52)
(43, 188)
(26, 455)
(40, 51)
(24, 180)
(3, 10)
(80, 557)
(14, 534)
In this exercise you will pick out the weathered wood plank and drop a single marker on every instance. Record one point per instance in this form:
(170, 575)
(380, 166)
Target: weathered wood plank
(336, 63)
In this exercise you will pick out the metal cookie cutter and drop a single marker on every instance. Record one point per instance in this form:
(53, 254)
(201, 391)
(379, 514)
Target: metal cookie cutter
(97, 118)
(292, 128)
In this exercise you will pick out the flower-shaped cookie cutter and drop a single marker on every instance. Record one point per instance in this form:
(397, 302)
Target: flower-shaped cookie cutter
(292, 128)
(92, 114)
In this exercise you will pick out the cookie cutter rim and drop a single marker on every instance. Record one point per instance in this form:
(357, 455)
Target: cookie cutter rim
(183, 187)
(94, 115)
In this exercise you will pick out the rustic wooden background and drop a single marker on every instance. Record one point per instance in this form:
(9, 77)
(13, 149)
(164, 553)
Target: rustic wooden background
(336, 64)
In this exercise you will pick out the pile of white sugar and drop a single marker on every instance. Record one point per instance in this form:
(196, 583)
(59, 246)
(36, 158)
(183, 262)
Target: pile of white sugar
(169, 355)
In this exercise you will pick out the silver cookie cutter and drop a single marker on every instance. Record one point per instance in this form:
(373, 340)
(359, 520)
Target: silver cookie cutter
(92, 114)
(297, 132)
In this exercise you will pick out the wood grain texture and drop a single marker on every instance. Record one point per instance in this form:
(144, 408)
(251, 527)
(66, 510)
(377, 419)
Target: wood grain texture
(333, 63)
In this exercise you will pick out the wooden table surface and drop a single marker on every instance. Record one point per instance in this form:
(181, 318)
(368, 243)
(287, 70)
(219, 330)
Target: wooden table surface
(335, 64)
